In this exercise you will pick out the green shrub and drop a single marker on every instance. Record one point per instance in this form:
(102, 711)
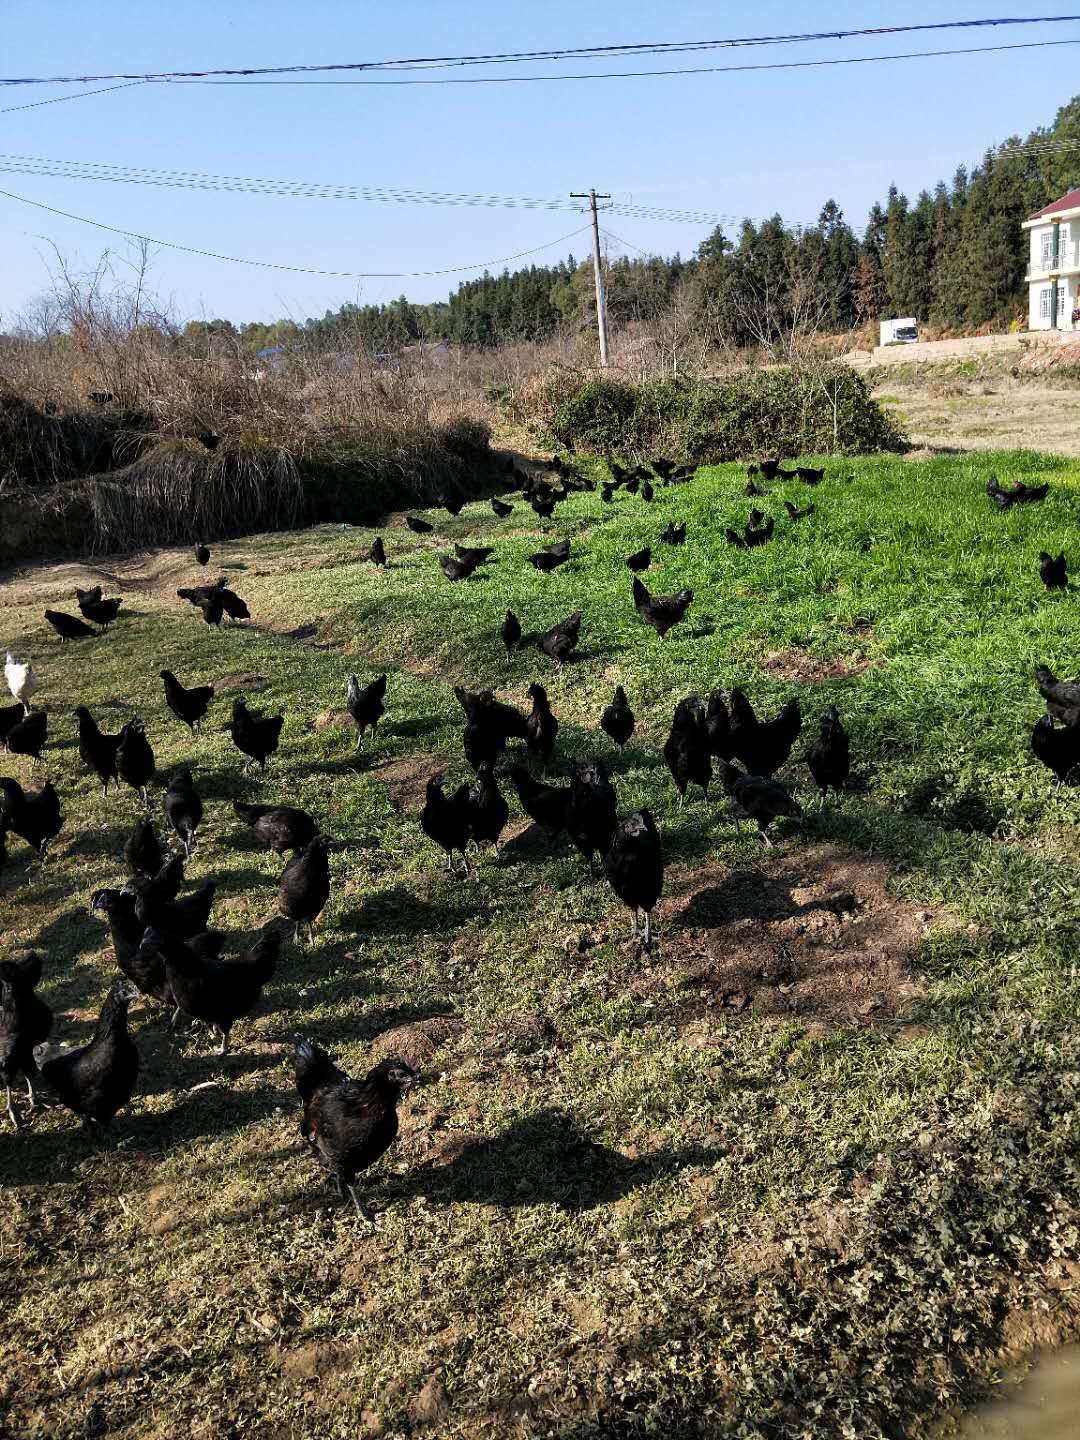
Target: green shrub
(783, 411)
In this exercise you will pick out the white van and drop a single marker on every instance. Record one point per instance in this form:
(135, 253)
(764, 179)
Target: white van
(899, 332)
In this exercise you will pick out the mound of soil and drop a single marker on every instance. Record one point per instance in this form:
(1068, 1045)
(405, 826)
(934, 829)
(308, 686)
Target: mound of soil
(817, 935)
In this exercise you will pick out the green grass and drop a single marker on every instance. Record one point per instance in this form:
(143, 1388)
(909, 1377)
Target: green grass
(657, 1213)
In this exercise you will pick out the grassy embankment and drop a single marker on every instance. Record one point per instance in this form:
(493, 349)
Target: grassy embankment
(805, 1170)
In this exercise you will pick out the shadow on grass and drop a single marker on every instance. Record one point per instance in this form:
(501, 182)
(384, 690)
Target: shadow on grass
(399, 911)
(38, 1157)
(543, 1158)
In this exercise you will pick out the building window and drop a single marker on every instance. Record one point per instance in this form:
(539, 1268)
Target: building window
(1046, 250)
(1044, 303)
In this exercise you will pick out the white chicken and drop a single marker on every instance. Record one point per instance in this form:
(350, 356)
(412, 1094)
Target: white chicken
(22, 682)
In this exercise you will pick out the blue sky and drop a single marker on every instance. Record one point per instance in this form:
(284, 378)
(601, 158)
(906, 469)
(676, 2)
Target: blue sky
(730, 144)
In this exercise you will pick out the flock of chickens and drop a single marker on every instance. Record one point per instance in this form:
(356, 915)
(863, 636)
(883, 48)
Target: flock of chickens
(163, 947)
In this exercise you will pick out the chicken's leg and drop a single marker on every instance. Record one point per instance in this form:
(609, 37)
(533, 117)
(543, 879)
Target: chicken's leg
(647, 937)
(11, 1109)
(362, 1211)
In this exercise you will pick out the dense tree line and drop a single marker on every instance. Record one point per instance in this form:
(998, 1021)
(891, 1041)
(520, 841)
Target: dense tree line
(954, 256)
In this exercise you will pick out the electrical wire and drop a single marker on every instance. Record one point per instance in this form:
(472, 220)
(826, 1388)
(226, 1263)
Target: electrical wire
(78, 95)
(294, 269)
(645, 74)
(306, 189)
(556, 53)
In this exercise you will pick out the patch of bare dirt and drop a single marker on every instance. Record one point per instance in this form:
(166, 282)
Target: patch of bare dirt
(240, 682)
(816, 936)
(518, 1035)
(333, 720)
(406, 779)
(417, 1044)
(813, 669)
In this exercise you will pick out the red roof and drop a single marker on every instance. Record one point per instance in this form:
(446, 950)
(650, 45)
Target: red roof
(1071, 201)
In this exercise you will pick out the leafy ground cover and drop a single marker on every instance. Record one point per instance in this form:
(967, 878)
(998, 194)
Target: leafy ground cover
(810, 1168)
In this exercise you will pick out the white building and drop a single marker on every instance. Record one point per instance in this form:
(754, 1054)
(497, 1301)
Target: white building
(1054, 265)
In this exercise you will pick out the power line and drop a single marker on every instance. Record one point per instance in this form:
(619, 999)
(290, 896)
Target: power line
(555, 53)
(646, 74)
(295, 269)
(308, 189)
(78, 95)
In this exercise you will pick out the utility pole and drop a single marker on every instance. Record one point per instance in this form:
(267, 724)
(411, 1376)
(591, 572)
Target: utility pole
(601, 303)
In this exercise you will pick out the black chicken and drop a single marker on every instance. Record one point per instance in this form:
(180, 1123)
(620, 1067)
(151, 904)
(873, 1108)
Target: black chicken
(101, 612)
(231, 603)
(763, 746)
(179, 918)
(366, 704)
(829, 757)
(455, 569)
(135, 763)
(661, 611)
(125, 929)
(304, 887)
(68, 627)
(10, 716)
(546, 804)
(445, 819)
(541, 726)
(673, 534)
(756, 798)
(348, 1123)
(718, 726)
(96, 749)
(560, 642)
(142, 849)
(254, 734)
(634, 865)
(808, 475)
(687, 749)
(36, 817)
(551, 558)
(510, 634)
(184, 808)
(592, 810)
(418, 526)
(452, 504)
(377, 553)
(617, 719)
(98, 1079)
(278, 827)
(1058, 749)
(487, 811)
(189, 706)
(216, 991)
(25, 1022)
(29, 735)
(500, 507)
(758, 536)
(489, 724)
(212, 608)
(640, 560)
(734, 539)
(1062, 696)
(1053, 571)
(474, 554)
(202, 554)
(796, 514)
(88, 596)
